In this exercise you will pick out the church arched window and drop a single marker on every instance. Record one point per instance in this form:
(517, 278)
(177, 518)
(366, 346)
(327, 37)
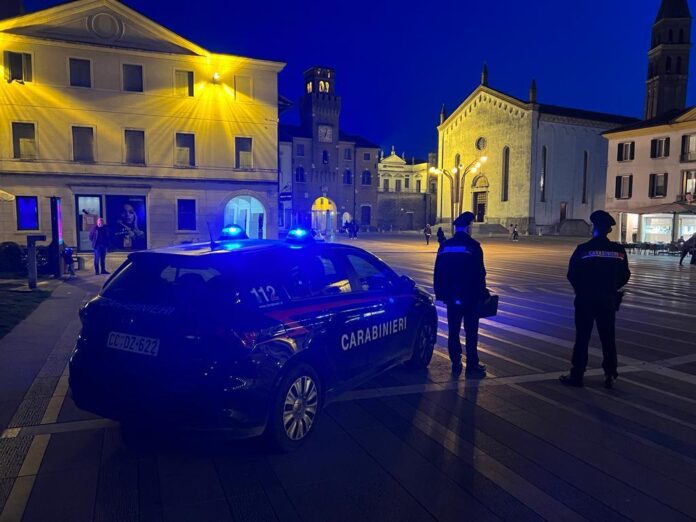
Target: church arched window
(543, 173)
(366, 177)
(505, 185)
(347, 177)
(585, 174)
(679, 65)
(668, 64)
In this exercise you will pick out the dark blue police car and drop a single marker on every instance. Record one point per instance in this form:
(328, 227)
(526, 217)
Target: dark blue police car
(250, 336)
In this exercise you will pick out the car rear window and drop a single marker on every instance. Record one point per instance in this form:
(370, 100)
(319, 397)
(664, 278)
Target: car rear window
(166, 281)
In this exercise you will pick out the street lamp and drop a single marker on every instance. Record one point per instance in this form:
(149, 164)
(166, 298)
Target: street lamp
(456, 178)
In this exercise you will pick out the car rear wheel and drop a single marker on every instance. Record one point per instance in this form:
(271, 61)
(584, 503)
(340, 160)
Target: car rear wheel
(423, 345)
(295, 409)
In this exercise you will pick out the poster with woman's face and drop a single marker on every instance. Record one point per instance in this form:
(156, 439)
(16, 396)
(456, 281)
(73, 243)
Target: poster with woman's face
(126, 219)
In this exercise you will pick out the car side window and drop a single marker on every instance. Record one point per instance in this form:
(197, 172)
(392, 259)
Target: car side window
(315, 275)
(371, 275)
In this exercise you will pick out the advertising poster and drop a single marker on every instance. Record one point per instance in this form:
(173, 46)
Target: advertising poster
(127, 220)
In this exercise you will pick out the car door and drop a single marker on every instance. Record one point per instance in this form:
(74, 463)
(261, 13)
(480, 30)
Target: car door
(387, 310)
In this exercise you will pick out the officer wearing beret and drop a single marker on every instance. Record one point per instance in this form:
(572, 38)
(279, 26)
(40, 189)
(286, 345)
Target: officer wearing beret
(598, 269)
(460, 282)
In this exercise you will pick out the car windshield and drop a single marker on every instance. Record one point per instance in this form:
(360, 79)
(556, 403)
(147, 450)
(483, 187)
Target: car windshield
(166, 280)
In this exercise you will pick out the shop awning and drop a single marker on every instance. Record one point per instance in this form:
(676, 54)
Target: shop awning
(667, 208)
(6, 196)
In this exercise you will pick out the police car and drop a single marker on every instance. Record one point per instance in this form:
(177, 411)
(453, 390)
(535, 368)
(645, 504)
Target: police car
(250, 336)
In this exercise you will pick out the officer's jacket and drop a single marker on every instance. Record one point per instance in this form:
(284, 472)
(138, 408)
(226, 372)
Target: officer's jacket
(598, 268)
(459, 270)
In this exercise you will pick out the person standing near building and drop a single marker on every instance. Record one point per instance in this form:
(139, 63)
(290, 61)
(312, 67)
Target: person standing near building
(515, 234)
(688, 246)
(427, 232)
(598, 270)
(460, 282)
(99, 236)
(440, 236)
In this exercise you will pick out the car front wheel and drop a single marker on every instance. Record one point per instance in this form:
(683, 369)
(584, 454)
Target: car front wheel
(423, 345)
(295, 408)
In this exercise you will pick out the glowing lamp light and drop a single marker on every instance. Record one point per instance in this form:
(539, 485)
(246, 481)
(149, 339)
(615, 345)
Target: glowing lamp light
(216, 77)
(455, 170)
(484, 159)
(478, 165)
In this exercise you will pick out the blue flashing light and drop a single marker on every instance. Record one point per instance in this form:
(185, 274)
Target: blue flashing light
(299, 235)
(233, 232)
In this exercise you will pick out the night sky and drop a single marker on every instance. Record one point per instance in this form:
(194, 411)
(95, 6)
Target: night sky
(397, 61)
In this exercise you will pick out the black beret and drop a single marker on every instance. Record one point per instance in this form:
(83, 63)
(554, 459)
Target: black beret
(464, 220)
(601, 218)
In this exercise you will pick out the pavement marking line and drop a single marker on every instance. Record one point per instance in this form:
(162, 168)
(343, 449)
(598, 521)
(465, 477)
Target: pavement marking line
(24, 483)
(55, 404)
(10, 433)
(67, 427)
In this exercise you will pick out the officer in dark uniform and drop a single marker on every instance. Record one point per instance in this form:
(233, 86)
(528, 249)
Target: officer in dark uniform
(598, 269)
(460, 282)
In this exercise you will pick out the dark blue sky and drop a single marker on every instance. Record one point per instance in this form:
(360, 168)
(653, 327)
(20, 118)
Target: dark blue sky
(397, 61)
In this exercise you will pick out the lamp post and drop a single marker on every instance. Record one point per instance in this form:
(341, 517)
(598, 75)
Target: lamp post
(456, 178)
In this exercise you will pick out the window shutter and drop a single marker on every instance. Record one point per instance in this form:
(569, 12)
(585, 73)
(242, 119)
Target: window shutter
(633, 150)
(26, 67)
(685, 144)
(617, 191)
(665, 184)
(651, 187)
(666, 147)
(653, 148)
(619, 152)
(630, 186)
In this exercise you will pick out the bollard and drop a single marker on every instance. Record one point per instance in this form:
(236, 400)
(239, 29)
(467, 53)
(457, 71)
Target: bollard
(31, 258)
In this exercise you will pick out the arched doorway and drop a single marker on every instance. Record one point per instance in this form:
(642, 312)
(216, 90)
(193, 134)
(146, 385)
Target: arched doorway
(324, 215)
(249, 213)
(479, 189)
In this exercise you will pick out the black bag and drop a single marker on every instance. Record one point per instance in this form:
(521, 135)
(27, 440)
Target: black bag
(488, 307)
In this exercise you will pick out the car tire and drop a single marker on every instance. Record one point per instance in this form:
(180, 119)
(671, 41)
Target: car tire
(295, 409)
(423, 345)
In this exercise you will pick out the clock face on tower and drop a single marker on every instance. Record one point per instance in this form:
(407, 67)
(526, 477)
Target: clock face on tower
(325, 133)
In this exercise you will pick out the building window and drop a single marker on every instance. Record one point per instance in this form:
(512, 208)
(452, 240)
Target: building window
(681, 35)
(299, 149)
(688, 148)
(135, 147)
(418, 185)
(27, 212)
(18, 67)
(365, 215)
(585, 173)
(366, 156)
(80, 73)
(83, 143)
(659, 148)
(185, 150)
(347, 177)
(366, 178)
(658, 185)
(407, 182)
(679, 65)
(624, 187)
(243, 153)
(397, 186)
(183, 83)
(325, 157)
(505, 186)
(347, 154)
(132, 77)
(626, 151)
(300, 175)
(242, 88)
(668, 64)
(543, 174)
(689, 182)
(385, 185)
(23, 141)
(186, 214)
(433, 187)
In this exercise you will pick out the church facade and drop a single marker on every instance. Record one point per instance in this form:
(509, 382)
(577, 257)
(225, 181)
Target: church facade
(511, 161)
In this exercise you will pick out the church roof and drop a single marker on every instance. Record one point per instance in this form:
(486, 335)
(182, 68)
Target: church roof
(288, 132)
(586, 115)
(673, 9)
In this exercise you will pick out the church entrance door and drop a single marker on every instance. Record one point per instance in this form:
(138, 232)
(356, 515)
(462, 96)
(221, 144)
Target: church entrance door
(480, 203)
(324, 216)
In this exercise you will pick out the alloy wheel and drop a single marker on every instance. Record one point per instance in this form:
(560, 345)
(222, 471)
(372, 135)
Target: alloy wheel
(300, 407)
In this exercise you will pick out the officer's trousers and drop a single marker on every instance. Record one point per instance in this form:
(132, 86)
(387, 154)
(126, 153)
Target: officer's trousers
(588, 310)
(455, 314)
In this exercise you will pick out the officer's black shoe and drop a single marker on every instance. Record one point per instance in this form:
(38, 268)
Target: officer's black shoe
(609, 380)
(457, 368)
(105, 272)
(571, 380)
(477, 370)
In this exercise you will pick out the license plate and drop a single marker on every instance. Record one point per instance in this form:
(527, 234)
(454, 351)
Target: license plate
(133, 343)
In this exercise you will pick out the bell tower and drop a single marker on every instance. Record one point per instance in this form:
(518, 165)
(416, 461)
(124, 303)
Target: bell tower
(668, 59)
(320, 106)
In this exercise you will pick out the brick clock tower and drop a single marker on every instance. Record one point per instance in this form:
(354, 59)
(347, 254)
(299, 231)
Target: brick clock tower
(320, 108)
(668, 59)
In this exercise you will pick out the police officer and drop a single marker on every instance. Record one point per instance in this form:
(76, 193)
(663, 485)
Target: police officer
(460, 282)
(598, 269)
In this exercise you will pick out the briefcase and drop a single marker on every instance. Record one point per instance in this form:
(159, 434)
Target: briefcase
(489, 307)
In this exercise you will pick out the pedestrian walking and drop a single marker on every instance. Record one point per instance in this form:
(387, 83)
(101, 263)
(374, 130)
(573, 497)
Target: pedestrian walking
(515, 234)
(598, 270)
(688, 247)
(460, 283)
(354, 229)
(440, 235)
(99, 237)
(427, 232)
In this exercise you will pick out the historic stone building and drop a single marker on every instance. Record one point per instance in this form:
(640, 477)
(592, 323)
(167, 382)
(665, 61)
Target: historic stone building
(406, 193)
(120, 117)
(651, 181)
(328, 177)
(541, 167)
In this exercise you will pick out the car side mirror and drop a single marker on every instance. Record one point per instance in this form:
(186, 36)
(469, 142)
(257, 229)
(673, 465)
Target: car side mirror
(406, 283)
